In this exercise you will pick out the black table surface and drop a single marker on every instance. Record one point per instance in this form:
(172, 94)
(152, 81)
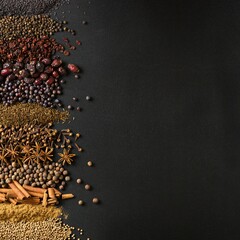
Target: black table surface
(163, 126)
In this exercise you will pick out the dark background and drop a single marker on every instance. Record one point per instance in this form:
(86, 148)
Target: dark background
(163, 128)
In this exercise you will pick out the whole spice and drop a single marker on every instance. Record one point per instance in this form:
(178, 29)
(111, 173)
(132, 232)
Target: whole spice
(95, 200)
(25, 194)
(52, 229)
(13, 27)
(90, 163)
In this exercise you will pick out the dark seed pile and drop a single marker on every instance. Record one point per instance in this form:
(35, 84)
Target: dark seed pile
(33, 82)
(28, 7)
(13, 27)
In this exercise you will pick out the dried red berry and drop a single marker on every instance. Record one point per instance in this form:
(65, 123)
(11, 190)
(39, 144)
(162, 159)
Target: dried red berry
(73, 68)
(56, 63)
(50, 81)
(6, 71)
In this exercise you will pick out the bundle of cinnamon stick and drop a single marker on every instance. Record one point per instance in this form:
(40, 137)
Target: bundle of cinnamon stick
(18, 194)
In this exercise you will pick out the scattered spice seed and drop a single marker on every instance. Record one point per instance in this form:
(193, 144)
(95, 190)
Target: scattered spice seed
(88, 98)
(79, 181)
(87, 187)
(90, 163)
(80, 202)
(95, 200)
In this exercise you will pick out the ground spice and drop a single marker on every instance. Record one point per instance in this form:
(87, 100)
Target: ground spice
(29, 7)
(28, 212)
(21, 114)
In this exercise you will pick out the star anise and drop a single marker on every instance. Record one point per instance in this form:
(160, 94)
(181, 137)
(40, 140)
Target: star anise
(12, 152)
(26, 152)
(47, 154)
(66, 156)
(37, 154)
(3, 155)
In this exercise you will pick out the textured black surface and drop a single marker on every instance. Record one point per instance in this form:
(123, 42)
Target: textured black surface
(163, 128)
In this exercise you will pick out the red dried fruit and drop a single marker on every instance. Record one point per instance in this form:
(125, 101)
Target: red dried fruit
(38, 81)
(50, 81)
(62, 71)
(55, 74)
(6, 71)
(46, 61)
(73, 68)
(56, 63)
(78, 42)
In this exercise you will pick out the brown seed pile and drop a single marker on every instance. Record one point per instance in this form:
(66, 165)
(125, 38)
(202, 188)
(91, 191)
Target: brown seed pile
(22, 114)
(28, 49)
(52, 229)
(51, 174)
(14, 27)
(28, 212)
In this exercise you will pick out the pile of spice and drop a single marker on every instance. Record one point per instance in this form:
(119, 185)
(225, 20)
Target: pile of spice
(33, 154)
(25, 113)
(49, 174)
(27, 155)
(28, 212)
(52, 229)
(29, 49)
(29, 7)
(33, 82)
(14, 27)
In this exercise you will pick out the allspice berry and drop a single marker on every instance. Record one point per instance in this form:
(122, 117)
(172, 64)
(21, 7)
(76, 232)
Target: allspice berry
(87, 187)
(79, 180)
(95, 200)
(90, 163)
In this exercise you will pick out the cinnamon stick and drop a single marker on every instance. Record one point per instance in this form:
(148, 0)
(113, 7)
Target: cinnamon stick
(51, 193)
(36, 194)
(45, 196)
(25, 193)
(3, 199)
(34, 189)
(67, 196)
(13, 201)
(57, 193)
(20, 195)
(5, 190)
